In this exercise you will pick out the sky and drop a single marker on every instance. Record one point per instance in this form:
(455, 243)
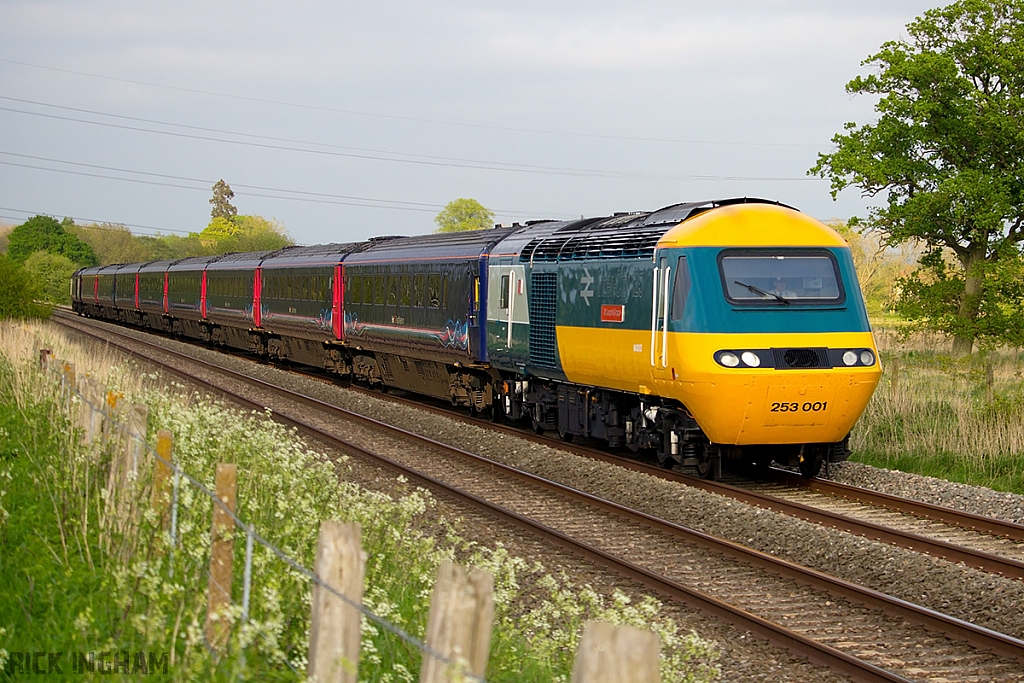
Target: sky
(345, 120)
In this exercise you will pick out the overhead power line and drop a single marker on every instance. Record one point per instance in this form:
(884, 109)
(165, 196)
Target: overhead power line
(96, 221)
(427, 161)
(245, 190)
(441, 122)
(309, 143)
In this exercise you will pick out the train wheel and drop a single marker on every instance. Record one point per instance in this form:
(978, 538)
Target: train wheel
(538, 428)
(810, 464)
(709, 463)
(665, 460)
(565, 436)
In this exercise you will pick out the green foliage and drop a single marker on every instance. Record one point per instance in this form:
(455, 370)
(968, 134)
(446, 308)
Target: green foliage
(51, 578)
(879, 267)
(170, 247)
(932, 296)
(52, 274)
(461, 215)
(221, 201)
(43, 233)
(19, 292)
(5, 230)
(947, 153)
(219, 228)
(244, 233)
(81, 579)
(113, 243)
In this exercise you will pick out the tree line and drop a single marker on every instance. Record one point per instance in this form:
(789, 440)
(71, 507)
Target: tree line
(42, 253)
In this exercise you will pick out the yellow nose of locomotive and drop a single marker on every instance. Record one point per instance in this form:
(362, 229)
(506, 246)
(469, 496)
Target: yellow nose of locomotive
(786, 404)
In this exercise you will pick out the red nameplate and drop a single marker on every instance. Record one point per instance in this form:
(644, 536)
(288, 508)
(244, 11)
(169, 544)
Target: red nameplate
(612, 314)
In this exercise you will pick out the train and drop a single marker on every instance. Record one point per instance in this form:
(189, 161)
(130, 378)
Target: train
(704, 334)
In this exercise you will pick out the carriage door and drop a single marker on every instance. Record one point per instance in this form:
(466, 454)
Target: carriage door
(508, 315)
(661, 294)
(671, 293)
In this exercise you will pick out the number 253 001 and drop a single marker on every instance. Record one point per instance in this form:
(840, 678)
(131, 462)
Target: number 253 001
(808, 407)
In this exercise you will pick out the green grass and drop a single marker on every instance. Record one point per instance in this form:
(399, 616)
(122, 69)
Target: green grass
(83, 579)
(960, 419)
(54, 575)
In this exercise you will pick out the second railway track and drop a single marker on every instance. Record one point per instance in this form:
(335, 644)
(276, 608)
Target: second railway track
(857, 631)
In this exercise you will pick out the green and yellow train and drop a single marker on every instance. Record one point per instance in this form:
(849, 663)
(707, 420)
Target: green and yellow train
(718, 330)
(703, 332)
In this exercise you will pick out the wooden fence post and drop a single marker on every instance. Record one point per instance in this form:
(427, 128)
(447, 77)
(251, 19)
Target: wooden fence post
(221, 557)
(460, 622)
(161, 497)
(108, 433)
(124, 464)
(69, 385)
(894, 369)
(616, 654)
(44, 359)
(135, 436)
(84, 414)
(336, 626)
(96, 396)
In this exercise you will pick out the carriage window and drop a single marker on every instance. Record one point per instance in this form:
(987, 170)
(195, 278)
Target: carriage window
(503, 299)
(379, 285)
(392, 290)
(434, 291)
(767, 277)
(355, 288)
(680, 289)
(404, 290)
(419, 287)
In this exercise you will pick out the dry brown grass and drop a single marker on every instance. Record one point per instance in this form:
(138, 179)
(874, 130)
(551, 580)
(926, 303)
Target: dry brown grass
(956, 418)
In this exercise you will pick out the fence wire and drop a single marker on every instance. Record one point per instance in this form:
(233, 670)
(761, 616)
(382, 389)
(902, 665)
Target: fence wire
(252, 535)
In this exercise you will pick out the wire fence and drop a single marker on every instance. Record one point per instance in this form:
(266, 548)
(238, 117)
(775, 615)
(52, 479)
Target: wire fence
(103, 411)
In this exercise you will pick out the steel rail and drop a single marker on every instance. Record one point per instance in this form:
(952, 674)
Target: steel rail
(966, 520)
(974, 635)
(988, 562)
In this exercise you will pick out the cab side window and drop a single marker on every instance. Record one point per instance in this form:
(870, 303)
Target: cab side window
(680, 289)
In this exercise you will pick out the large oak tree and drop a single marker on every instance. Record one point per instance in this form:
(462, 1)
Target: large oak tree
(946, 156)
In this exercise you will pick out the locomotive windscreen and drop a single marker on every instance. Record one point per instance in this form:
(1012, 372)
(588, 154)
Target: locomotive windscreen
(775, 277)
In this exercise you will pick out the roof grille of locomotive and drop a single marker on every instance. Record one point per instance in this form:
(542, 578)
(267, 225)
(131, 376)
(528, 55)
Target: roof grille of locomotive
(593, 244)
(801, 359)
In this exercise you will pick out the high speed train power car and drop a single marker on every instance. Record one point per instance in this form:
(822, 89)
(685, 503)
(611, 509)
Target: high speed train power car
(730, 330)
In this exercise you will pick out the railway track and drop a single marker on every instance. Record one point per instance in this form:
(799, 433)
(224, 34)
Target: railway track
(853, 630)
(985, 543)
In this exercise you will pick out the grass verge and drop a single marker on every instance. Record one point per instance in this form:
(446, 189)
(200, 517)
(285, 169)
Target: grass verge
(84, 579)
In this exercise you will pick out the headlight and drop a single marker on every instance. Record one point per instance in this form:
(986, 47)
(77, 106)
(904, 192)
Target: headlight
(729, 359)
(750, 358)
(849, 358)
(867, 358)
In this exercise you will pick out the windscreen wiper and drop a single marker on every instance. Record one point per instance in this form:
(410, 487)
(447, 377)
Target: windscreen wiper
(758, 290)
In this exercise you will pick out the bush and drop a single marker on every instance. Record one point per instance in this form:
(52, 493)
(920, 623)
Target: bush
(19, 293)
(43, 233)
(52, 273)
